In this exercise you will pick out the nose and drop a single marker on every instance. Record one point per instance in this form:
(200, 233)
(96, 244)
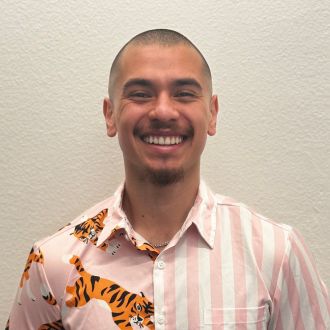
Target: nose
(164, 109)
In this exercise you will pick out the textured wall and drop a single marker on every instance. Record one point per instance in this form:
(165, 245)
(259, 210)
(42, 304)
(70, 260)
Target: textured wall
(271, 70)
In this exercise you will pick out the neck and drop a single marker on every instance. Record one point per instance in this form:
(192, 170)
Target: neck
(158, 212)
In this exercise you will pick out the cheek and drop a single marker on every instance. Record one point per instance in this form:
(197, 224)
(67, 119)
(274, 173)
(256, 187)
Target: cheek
(123, 140)
(200, 136)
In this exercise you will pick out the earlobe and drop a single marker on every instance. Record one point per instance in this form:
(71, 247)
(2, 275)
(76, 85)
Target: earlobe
(109, 117)
(214, 113)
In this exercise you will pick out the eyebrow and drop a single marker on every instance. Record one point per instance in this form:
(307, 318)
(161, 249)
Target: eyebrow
(137, 82)
(148, 83)
(187, 82)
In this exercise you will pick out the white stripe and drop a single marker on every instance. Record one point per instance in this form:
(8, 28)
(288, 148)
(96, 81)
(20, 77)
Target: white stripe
(158, 277)
(268, 242)
(227, 263)
(181, 285)
(204, 279)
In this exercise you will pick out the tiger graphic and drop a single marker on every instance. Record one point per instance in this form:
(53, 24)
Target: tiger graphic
(87, 231)
(49, 298)
(36, 257)
(33, 257)
(152, 251)
(57, 325)
(127, 308)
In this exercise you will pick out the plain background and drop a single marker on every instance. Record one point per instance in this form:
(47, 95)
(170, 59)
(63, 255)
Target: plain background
(270, 64)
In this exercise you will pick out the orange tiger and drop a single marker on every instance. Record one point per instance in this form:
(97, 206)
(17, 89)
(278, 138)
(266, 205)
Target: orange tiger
(33, 257)
(57, 325)
(127, 308)
(50, 299)
(152, 251)
(87, 231)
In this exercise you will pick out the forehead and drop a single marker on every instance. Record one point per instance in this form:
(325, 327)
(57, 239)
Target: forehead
(160, 62)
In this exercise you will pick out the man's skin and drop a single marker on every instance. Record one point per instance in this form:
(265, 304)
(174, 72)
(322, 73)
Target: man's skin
(160, 91)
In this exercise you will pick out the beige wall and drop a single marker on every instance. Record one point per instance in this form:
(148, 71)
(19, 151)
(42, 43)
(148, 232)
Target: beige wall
(270, 62)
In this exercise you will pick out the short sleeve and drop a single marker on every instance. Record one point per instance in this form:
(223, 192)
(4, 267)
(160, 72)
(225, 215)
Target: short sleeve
(35, 304)
(301, 300)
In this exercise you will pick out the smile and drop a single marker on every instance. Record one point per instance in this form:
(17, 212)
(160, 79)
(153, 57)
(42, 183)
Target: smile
(163, 140)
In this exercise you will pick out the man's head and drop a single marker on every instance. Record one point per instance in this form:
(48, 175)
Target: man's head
(161, 106)
(161, 37)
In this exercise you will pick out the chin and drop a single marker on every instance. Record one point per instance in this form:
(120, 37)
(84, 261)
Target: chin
(164, 177)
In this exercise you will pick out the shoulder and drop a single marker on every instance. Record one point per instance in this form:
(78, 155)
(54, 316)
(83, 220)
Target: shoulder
(245, 215)
(267, 240)
(67, 229)
(73, 238)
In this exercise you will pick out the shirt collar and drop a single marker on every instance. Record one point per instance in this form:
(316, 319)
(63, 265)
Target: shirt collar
(202, 215)
(116, 218)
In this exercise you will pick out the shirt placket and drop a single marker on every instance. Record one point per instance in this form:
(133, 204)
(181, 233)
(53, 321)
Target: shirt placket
(159, 293)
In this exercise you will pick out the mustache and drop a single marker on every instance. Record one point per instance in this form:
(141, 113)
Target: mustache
(161, 125)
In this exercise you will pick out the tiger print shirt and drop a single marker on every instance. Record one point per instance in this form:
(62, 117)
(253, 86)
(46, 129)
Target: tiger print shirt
(227, 268)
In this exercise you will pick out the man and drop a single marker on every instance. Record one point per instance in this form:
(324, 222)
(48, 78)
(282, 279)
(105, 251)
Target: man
(165, 252)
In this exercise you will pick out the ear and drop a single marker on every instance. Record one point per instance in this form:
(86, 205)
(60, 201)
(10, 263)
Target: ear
(214, 114)
(109, 117)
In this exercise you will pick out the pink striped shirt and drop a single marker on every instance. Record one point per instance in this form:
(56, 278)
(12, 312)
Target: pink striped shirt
(227, 268)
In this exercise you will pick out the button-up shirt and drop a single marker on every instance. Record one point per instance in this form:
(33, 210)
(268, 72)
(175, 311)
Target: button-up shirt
(227, 268)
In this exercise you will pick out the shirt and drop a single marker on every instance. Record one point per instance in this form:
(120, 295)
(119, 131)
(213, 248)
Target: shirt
(227, 268)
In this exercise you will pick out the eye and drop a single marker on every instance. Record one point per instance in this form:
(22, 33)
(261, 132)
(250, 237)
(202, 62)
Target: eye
(138, 307)
(185, 95)
(139, 95)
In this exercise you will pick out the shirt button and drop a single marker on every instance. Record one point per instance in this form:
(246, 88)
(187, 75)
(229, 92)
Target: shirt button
(161, 264)
(160, 319)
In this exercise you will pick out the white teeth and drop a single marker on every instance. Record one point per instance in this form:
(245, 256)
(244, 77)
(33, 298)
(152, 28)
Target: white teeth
(163, 140)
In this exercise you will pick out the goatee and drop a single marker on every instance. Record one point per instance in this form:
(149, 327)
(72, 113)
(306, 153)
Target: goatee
(165, 177)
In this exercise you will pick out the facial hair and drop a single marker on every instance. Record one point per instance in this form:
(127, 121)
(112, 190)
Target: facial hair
(164, 177)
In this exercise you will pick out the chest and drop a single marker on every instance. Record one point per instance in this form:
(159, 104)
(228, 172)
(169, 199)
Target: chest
(186, 287)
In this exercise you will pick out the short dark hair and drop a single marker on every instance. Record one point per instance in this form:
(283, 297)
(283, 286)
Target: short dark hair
(163, 37)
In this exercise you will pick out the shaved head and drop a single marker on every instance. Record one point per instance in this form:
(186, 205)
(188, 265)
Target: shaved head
(161, 37)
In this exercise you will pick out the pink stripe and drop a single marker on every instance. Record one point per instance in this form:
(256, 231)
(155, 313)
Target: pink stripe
(293, 296)
(239, 267)
(279, 251)
(169, 289)
(279, 325)
(306, 250)
(311, 260)
(216, 277)
(207, 216)
(257, 242)
(192, 277)
(312, 296)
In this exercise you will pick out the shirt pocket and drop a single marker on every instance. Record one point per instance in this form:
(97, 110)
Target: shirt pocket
(236, 318)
